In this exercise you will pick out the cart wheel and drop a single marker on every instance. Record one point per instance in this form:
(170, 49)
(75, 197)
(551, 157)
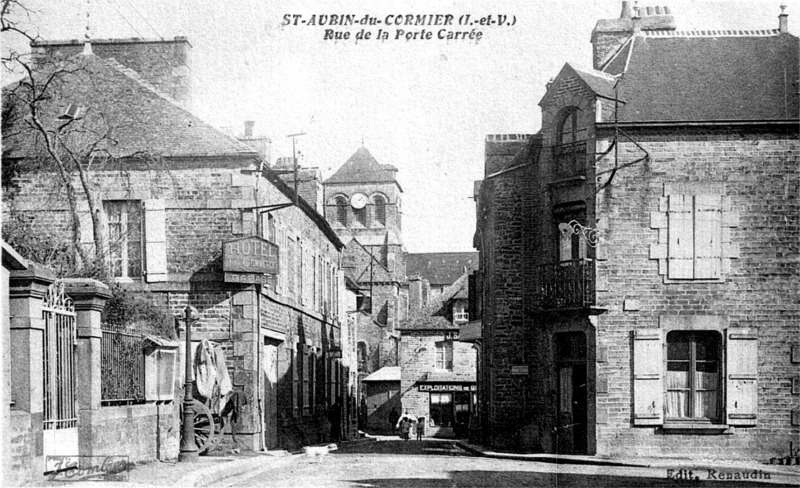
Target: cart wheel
(205, 430)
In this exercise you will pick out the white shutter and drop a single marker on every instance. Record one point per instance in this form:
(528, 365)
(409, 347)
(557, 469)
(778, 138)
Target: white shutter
(680, 241)
(741, 372)
(648, 389)
(707, 236)
(155, 241)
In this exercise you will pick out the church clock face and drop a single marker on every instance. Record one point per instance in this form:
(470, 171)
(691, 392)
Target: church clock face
(358, 201)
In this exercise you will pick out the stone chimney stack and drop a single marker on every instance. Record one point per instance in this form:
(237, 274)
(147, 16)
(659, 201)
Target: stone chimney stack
(414, 295)
(163, 63)
(783, 21)
(626, 10)
(610, 34)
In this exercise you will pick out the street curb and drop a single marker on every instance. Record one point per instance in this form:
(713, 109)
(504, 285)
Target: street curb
(225, 469)
(545, 458)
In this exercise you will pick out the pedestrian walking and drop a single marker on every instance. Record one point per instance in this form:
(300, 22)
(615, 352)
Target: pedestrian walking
(404, 424)
(394, 417)
(420, 428)
(335, 418)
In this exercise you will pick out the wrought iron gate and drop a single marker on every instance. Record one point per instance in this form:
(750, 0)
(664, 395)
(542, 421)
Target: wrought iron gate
(60, 415)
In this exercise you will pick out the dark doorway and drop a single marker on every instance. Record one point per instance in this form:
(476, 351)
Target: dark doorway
(571, 431)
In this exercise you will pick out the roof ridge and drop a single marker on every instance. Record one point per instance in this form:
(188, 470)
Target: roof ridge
(713, 33)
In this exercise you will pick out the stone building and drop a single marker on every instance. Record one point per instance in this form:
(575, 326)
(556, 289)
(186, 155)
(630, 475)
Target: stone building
(437, 371)
(363, 206)
(637, 254)
(174, 189)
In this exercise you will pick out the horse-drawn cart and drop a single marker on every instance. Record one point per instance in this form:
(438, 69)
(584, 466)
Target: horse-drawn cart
(214, 402)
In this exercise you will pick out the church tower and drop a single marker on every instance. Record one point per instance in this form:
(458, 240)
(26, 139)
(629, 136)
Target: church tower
(363, 206)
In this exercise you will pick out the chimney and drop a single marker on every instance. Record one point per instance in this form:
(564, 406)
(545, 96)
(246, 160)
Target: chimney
(426, 292)
(610, 34)
(783, 20)
(414, 296)
(626, 10)
(248, 128)
(163, 63)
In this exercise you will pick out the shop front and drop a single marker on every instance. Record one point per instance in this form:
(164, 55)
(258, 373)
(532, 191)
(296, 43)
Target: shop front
(449, 405)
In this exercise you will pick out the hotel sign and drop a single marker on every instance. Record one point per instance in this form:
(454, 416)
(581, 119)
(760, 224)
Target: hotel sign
(251, 255)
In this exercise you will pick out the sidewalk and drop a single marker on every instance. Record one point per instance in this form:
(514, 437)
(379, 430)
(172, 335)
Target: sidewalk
(208, 470)
(781, 473)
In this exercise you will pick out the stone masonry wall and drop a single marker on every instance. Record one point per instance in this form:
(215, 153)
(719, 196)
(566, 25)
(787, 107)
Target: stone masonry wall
(502, 216)
(758, 170)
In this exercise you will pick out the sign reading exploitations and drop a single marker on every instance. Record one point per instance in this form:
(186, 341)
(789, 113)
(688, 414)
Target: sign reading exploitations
(250, 258)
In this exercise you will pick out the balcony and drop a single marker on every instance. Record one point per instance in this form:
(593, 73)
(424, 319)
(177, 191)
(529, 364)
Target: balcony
(565, 285)
(569, 160)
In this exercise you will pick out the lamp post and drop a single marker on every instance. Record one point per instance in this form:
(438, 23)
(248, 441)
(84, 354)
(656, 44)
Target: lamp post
(188, 451)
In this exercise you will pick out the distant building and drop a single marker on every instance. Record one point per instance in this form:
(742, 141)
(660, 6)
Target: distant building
(438, 270)
(437, 370)
(638, 254)
(363, 206)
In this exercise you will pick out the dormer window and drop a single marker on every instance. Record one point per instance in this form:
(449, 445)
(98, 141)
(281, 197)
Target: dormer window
(569, 153)
(568, 126)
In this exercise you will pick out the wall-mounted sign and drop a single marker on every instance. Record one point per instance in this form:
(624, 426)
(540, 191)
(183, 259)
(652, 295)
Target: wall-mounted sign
(451, 335)
(250, 278)
(447, 387)
(250, 255)
(519, 370)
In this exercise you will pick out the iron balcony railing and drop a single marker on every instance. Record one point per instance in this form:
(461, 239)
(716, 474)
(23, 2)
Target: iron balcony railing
(570, 159)
(568, 284)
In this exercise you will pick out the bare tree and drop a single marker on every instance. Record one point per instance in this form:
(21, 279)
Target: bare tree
(71, 143)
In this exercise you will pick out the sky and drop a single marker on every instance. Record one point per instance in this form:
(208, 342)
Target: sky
(422, 105)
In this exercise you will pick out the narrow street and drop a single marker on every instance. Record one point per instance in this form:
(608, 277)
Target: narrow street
(430, 463)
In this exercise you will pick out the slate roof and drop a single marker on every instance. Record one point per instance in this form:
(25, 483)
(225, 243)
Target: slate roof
(440, 268)
(434, 316)
(140, 118)
(704, 76)
(363, 168)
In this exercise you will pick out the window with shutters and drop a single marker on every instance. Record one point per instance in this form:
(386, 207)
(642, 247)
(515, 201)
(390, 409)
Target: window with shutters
(126, 237)
(693, 375)
(694, 235)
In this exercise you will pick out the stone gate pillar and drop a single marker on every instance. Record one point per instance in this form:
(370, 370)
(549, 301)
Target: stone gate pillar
(27, 289)
(89, 298)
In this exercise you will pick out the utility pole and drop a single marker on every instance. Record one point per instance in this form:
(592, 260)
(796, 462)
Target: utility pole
(294, 160)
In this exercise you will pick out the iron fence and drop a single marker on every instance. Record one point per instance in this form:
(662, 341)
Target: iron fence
(122, 368)
(568, 284)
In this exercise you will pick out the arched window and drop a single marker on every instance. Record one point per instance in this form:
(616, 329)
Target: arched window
(341, 211)
(379, 206)
(568, 126)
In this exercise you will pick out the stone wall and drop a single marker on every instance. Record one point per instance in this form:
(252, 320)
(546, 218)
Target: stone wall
(504, 213)
(141, 432)
(758, 171)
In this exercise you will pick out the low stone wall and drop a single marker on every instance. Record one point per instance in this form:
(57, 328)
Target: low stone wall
(141, 432)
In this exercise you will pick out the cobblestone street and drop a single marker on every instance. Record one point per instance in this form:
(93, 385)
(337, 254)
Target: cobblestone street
(390, 463)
